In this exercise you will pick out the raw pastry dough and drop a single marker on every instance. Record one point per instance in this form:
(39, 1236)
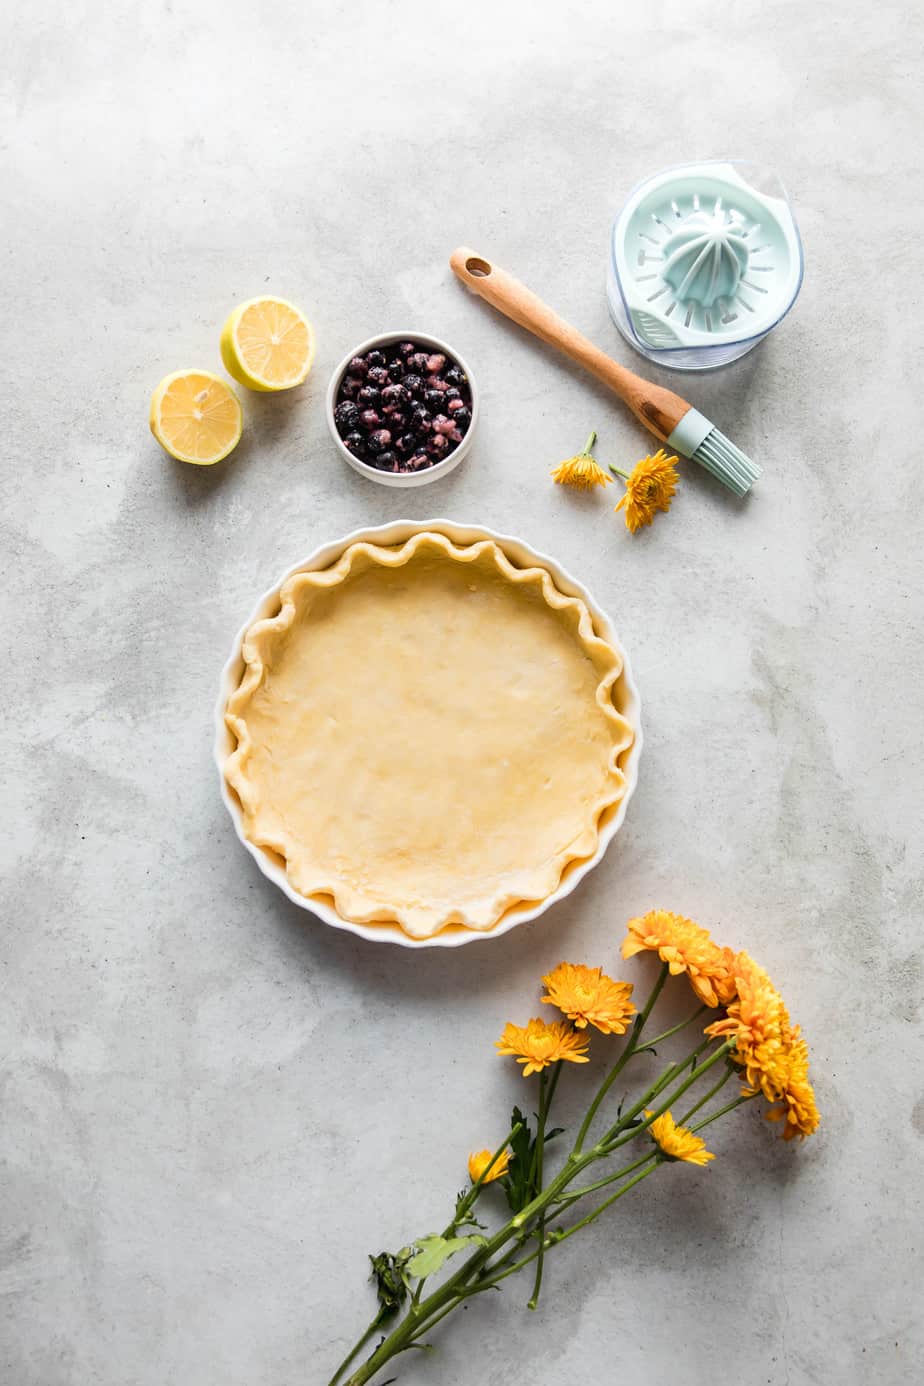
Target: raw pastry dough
(426, 733)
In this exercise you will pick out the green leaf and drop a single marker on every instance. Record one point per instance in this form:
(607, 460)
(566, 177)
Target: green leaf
(434, 1250)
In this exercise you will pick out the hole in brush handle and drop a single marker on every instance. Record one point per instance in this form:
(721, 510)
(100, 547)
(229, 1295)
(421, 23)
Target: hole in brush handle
(477, 267)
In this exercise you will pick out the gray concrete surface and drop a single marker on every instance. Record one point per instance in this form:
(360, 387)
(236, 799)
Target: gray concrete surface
(212, 1108)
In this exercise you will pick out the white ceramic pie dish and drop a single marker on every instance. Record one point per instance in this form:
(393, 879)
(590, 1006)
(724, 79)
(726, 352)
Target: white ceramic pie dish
(520, 554)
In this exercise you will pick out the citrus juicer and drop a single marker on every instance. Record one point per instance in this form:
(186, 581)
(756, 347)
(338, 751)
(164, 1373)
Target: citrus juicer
(705, 260)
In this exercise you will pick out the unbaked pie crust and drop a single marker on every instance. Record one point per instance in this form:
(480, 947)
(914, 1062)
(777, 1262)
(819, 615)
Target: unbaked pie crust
(426, 734)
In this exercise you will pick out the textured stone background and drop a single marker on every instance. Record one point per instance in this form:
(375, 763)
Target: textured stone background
(212, 1107)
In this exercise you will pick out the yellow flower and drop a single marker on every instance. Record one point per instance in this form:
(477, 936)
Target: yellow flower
(650, 487)
(478, 1162)
(586, 995)
(688, 948)
(677, 1142)
(581, 472)
(538, 1045)
(770, 1050)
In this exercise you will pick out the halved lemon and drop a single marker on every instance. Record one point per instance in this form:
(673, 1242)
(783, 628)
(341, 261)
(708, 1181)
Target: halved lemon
(267, 344)
(196, 417)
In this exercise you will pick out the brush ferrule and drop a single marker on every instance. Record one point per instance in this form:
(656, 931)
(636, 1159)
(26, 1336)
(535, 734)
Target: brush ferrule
(692, 430)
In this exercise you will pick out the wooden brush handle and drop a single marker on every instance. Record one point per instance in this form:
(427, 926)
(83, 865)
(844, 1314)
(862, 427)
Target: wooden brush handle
(658, 409)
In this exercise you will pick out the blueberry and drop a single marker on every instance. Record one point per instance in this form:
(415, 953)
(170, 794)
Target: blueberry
(436, 382)
(371, 418)
(413, 383)
(418, 362)
(346, 417)
(356, 444)
(437, 445)
(462, 418)
(369, 397)
(455, 405)
(386, 461)
(406, 348)
(358, 366)
(375, 358)
(379, 440)
(433, 399)
(421, 420)
(377, 375)
(456, 376)
(397, 419)
(451, 393)
(349, 387)
(394, 395)
(418, 462)
(406, 444)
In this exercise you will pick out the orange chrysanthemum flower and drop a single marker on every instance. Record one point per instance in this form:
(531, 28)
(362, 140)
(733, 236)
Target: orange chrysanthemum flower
(770, 1050)
(650, 487)
(582, 472)
(587, 996)
(685, 947)
(478, 1162)
(677, 1142)
(538, 1045)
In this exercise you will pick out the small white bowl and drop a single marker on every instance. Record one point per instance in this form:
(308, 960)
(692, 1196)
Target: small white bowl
(429, 474)
(523, 556)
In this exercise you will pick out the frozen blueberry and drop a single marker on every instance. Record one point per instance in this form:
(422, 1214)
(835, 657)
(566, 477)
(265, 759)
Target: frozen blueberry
(413, 383)
(451, 393)
(437, 445)
(346, 417)
(406, 443)
(386, 461)
(358, 366)
(369, 397)
(397, 419)
(421, 420)
(371, 418)
(356, 444)
(455, 405)
(418, 362)
(396, 368)
(379, 440)
(406, 348)
(441, 424)
(377, 375)
(394, 396)
(462, 418)
(349, 387)
(433, 399)
(456, 376)
(375, 358)
(418, 462)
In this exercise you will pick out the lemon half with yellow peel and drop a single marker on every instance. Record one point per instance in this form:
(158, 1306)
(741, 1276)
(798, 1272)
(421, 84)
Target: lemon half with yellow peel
(196, 417)
(267, 344)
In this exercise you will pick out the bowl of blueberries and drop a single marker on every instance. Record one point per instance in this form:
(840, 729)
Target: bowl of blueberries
(402, 408)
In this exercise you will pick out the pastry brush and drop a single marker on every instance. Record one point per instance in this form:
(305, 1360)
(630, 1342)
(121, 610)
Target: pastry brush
(671, 419)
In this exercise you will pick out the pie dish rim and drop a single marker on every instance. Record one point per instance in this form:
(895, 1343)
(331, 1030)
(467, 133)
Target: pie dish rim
(522, 554)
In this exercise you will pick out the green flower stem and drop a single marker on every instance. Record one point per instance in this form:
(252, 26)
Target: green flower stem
(354, 1352)
(572, 1197)
(613, 1138)
(588, 446)
(717, 1087)
(627, 1053)
(618, 471)
(545, 1099)
(729, 1107)
(675, 1029)
(478, 1184)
